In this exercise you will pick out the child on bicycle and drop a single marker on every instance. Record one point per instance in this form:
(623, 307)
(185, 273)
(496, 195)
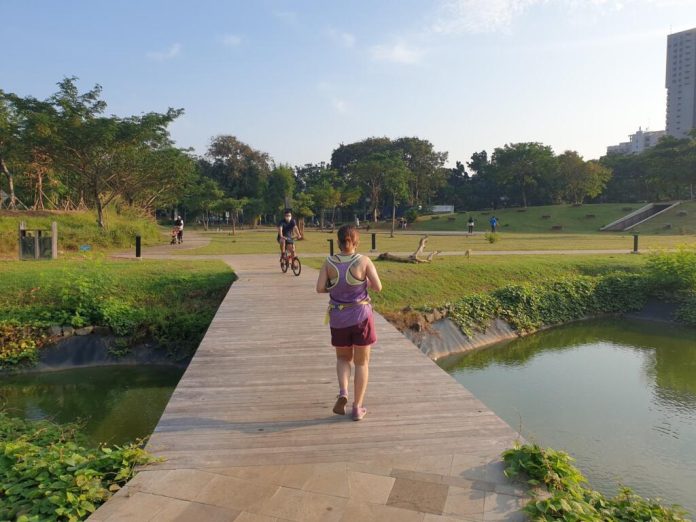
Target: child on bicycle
(346, 277)
(287, 228)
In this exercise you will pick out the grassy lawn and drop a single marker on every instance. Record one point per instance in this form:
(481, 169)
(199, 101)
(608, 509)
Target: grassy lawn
(79, 228)
(264, 242)
(170, 301)
(450, 278)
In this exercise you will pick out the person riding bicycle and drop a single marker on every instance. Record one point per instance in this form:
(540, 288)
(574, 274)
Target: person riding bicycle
(287, 228)
(179, 227)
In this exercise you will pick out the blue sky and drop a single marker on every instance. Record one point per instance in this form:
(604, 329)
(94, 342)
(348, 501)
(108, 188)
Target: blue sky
(296, 78)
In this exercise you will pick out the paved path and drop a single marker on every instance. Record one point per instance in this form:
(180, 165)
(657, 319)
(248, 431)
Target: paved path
(249, 435)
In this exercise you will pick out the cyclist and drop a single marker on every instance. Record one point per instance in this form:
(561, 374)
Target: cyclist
(287, 228)
(179, 227)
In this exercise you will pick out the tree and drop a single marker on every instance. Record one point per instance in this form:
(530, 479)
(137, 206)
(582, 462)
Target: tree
(203, 198)
(241, 170)
(578, 179)
(234, 207)
(521, 166)
(426, 167)
(281, 186)
(378, 172)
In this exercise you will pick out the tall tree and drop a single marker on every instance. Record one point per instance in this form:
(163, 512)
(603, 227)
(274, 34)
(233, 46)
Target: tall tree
(521, 166)
(241, 170)
(373, 173)
(281, 186)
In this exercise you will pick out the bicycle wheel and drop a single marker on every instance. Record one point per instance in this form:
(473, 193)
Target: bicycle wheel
(296, 266)
(284, 264)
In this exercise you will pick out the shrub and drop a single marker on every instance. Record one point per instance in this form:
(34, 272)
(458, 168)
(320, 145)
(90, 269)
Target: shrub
(19, 344)
(492, 237)
(47, 473)
(673, 271)
(570, 499)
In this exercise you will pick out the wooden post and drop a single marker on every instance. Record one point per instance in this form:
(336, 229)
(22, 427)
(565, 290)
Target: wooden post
(54, 240)
(331, 248)
(20, 234)
(137, 247)
(37, 244)
(374, 242)
(635, 243)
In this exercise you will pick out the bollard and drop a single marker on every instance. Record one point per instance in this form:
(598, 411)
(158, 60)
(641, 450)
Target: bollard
(331, 251)
(137, 247)
(635, 243)
(374, 242)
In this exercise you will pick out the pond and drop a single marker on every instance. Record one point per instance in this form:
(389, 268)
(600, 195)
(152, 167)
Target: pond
(117, 404)
(617, 394)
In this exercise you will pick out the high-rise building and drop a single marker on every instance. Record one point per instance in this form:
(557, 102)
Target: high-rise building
(638, 142)
(681, 83)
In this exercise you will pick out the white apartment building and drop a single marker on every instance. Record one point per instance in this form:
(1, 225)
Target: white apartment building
(681, 83)
(637, 142)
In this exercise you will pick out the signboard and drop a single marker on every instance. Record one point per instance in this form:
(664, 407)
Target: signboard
(85, 248)
(443, 209)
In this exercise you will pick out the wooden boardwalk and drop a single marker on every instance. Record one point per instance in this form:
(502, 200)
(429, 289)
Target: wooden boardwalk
(249, 435)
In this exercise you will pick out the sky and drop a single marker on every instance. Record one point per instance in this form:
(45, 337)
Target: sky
(298, 78)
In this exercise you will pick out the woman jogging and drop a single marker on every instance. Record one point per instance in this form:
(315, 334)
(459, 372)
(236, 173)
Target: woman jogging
(346, 277)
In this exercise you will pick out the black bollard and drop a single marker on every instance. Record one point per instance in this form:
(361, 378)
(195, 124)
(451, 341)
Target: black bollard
(330, 247)
(374, 241)
(137, 247)
(635, 243)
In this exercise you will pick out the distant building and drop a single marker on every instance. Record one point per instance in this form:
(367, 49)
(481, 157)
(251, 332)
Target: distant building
(680, 82)
(637, 142)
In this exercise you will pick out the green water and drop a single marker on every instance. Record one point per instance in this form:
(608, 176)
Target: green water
(619, 395)
(117, 404)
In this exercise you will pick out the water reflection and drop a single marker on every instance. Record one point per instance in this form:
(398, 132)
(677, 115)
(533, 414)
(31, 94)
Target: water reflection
(618, 394)
(117, 404)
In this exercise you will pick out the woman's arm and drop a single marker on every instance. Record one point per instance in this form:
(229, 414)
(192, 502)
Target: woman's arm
(373, 282)
(322, 280)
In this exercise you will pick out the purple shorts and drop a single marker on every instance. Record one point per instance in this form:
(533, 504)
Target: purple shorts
(361, 334)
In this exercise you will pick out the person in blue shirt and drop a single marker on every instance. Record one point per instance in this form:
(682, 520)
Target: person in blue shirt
(494, 223)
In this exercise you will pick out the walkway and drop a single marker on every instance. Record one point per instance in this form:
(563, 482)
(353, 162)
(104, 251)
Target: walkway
(248, 434)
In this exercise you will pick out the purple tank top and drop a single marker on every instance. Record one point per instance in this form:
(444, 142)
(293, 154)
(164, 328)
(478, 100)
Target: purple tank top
(346, 293)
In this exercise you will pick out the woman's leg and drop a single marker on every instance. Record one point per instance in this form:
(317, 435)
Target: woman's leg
(344, 356)
(361, 357)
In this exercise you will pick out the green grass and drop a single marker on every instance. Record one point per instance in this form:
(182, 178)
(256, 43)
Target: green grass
(170, 301)
(264, 242)
(450, 278)
(570, 218)
(79, 228)
(680, 224)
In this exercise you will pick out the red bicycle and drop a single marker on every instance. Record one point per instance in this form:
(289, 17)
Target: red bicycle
(290, 260)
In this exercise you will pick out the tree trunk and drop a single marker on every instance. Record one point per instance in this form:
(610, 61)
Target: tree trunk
(10, 180)
(393, 216)
(321, 224)
(100, 209)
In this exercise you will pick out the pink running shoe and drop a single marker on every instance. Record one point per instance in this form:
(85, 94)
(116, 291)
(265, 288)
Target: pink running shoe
(359, 413)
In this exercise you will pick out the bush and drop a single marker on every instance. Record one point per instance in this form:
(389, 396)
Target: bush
(673, 271)
(529, 307)
(492, 237)
(47, 473)
(411, 215)
(570, 499)
(19, 344)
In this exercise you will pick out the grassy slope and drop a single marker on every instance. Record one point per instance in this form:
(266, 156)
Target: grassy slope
(78, 228)
(681, 224)
(448, 279)
(572, 219)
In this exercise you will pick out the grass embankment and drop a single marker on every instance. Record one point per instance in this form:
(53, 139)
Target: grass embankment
(583, 219)
(680, 220)
(171, 302)
(79, 228)
(264, 242)
(586, 219)
(450, 278)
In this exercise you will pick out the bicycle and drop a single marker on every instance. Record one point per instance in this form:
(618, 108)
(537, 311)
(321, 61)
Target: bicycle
(290, 260)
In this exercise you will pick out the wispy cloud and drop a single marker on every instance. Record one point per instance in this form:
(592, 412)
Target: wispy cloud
(340, 105)
(485, 16)
(231, 40)
(341, 38)
(289, 17)
(399, 52)
(169, 54)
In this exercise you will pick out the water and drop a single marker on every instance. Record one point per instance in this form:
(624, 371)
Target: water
(619, 395)
(118, 404)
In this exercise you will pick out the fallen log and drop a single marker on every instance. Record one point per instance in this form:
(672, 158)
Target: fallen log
(413, 258)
